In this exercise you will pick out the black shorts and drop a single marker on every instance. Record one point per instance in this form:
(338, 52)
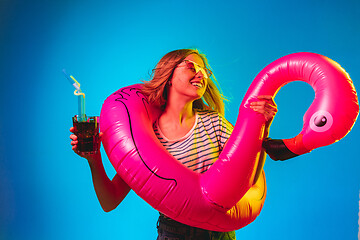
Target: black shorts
(169, 229)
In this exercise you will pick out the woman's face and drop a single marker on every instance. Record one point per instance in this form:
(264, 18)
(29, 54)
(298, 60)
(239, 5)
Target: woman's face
(186, 83)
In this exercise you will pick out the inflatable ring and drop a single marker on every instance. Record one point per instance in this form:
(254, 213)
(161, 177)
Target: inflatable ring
(223, 198)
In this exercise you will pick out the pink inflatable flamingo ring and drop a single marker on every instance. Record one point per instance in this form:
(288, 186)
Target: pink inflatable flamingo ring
(224, 198)
(332, 113)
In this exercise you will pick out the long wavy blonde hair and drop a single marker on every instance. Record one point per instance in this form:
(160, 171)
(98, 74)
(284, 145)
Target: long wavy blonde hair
(156, 89)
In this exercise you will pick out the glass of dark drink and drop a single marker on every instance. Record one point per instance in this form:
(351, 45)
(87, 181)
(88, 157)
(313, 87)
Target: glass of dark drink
(87, 134)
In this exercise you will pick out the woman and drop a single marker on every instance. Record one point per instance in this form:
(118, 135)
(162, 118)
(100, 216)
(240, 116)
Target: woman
(192, 131)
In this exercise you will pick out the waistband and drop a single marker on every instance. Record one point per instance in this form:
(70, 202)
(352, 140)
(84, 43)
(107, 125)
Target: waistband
(169, 225)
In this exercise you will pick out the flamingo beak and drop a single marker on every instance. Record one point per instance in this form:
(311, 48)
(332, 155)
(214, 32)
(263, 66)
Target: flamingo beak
(283, 149)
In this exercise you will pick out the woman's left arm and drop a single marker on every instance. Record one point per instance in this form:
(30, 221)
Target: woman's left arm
(266, 106)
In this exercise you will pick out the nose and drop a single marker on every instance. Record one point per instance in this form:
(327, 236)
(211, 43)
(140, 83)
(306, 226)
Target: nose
(199, 74)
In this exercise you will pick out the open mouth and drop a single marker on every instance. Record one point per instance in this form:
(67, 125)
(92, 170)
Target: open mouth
(197, 84)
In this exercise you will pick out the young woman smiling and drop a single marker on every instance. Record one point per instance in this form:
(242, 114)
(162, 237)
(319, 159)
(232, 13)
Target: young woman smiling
(191, 127)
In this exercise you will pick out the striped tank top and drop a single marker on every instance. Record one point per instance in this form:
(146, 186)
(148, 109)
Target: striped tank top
(201, 146)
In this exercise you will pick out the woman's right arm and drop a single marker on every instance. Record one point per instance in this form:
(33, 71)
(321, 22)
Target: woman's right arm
(110, 193)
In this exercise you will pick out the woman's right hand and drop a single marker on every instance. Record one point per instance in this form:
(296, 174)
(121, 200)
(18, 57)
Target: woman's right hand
(74, 142)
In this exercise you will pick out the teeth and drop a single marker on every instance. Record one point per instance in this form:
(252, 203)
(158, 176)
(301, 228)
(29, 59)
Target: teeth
(199, 85)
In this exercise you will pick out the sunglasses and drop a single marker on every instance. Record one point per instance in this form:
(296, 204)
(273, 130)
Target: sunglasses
(196, 68)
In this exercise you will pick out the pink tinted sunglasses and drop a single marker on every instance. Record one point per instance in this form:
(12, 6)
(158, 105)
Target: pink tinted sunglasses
(196, 68)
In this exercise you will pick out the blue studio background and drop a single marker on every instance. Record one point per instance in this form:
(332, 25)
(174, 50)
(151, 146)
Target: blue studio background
(46, 190)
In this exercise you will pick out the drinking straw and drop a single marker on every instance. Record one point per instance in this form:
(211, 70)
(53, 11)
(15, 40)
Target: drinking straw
(81, 117)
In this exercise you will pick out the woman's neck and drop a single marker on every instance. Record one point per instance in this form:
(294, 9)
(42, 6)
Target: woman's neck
(177, 120)
(178, 113)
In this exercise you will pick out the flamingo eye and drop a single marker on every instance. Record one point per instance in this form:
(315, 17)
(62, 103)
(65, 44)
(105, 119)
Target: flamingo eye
(321, 121)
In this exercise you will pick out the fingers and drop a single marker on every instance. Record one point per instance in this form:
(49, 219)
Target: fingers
(74, 144)
(74, 141)
(268, 103)
(258, 106)
(267, 107)
(267, 98)
(73, 137)
(263, 106)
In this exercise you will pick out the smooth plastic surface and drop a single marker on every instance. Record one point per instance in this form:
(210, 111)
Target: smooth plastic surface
(223, 198)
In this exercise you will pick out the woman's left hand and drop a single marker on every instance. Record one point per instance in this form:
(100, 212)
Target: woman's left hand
(266, 106)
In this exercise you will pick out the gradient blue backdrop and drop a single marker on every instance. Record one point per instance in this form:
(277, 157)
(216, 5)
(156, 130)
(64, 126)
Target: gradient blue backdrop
(46, 190)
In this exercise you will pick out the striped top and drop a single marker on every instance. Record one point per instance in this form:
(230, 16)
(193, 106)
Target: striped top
(201, 146)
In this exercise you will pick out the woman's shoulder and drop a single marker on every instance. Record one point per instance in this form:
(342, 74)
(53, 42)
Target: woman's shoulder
(210, 113)
(215, 117)
(209, 116)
